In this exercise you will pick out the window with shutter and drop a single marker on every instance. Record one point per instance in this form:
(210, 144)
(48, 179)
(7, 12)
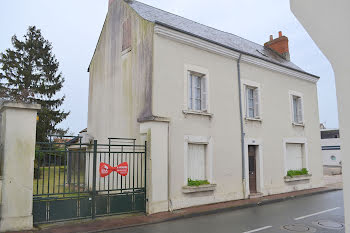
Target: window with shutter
(294, 158)
(197, 92)
(252, 102)
(297, 110)
(196, 162)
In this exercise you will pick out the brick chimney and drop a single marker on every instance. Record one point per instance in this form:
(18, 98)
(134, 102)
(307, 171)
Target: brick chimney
(280, 45)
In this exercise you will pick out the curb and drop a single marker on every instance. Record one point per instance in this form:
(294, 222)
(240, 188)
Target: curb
(221, 210)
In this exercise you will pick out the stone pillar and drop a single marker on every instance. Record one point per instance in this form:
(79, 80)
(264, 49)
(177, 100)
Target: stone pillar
(157, 165)
(18, 130)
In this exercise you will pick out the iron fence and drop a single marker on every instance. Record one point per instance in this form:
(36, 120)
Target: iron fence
(67, 183)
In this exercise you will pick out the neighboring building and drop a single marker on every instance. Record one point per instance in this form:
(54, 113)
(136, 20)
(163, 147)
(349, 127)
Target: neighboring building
(331, 152)
(153, 71)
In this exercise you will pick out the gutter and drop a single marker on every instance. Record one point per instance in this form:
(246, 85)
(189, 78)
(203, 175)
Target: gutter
(241, 121)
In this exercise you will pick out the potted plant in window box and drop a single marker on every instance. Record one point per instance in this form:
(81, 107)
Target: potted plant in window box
(297, 175)
(194, 186)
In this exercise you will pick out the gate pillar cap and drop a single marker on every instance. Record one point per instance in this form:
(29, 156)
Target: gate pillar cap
(4, 104)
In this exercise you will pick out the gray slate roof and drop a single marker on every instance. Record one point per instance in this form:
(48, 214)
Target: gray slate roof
(225, 39)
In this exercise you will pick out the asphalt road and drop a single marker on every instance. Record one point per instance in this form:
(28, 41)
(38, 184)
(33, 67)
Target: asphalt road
(322, 213)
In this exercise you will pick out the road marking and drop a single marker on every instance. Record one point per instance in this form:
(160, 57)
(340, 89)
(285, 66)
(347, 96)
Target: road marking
(256, 230)
(322, 212)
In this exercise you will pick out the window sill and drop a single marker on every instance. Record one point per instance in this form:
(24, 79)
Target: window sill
(253, 119)
(297, 178)
(298, 124)
(125, 51)
(189, 112)
(197, 189)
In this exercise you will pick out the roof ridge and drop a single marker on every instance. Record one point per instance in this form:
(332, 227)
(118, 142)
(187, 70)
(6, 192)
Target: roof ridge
(195, 22)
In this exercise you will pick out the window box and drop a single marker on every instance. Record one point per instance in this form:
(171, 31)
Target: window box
(297, 178)
(201, 188)
(190, 112)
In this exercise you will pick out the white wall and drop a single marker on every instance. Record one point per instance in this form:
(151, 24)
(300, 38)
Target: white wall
(119, 85)
(276, 125)
(327, 154)
(171, 60)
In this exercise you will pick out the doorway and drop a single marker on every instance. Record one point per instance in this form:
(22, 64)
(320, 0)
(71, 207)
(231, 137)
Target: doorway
(252, 168)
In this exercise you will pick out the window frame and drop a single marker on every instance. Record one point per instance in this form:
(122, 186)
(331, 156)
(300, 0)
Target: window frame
(203, 74)
(193, 88)
(305, 152)
(205, 175)
(257, 103)
(292, 96)
(200, 140)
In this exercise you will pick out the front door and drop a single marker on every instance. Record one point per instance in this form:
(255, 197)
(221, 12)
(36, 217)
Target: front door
(252, 168)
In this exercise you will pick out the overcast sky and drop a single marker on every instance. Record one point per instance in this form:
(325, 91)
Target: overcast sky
(73, 27)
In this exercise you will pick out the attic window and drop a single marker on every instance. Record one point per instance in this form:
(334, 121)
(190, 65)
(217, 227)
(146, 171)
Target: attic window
(262, 53)
(126, 35)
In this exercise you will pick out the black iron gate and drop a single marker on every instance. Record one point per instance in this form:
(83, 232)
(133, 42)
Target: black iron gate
(68, 185)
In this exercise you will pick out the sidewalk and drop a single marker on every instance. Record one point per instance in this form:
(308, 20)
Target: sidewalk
(122, 221)
(334, 181)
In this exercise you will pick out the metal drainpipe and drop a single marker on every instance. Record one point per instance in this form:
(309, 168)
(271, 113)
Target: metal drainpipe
(242, 127)
(170, 204)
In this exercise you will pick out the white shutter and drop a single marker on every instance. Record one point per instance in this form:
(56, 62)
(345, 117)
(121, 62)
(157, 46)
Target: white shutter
(256, 103)
(246, 90)
(189, 91)
(300, 110)
(196, 162)
(294, 156)
(204, 95)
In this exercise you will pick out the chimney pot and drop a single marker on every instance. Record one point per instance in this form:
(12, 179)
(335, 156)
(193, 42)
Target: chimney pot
(279, 45)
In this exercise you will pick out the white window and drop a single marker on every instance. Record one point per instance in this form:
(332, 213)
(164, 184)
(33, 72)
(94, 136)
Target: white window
(294, 156)
(197, 92)
(297, 109)
(196, 164)
(252, 102)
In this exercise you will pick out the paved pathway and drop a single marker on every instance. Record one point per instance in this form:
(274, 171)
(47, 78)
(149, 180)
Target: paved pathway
(334, 181)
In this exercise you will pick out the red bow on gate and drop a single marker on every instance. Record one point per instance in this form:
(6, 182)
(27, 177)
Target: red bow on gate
(106, 169)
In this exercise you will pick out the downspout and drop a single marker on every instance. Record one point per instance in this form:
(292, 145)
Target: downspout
(170, 204)
(242, 127)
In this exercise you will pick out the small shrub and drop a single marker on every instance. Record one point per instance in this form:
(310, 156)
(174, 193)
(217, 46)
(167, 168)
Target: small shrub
(301, 172)
(196, 182)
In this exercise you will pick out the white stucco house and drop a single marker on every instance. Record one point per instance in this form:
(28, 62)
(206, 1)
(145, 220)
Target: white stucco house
(211, 105)
(331, 151)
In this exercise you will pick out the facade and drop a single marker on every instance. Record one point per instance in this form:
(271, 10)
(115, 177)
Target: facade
(212, 106)
(331, 151)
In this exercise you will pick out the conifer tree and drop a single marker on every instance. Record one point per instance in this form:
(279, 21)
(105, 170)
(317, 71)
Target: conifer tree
(29, 72)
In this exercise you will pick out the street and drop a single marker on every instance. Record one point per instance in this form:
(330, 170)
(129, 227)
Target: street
(322, 213)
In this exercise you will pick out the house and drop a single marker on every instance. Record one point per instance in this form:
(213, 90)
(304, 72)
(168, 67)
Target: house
(213, 107)
(331, 151)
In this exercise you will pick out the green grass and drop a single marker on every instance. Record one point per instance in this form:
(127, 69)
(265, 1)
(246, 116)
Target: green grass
(196, 182)
(56, 183)
(301, 172)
